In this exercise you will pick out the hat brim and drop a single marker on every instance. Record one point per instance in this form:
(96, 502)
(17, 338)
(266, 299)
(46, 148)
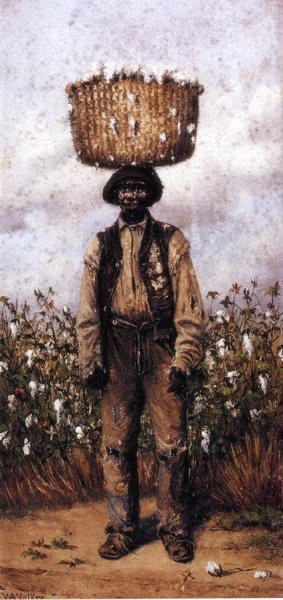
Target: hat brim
(146, 174)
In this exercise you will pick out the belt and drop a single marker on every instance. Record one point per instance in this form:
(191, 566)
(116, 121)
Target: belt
(158, 328)
(155, 326)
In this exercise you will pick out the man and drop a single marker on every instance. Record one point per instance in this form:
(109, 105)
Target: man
(140, 323)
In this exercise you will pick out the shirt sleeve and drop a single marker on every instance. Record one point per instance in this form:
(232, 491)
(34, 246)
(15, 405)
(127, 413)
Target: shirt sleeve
(88, 317)
(189, 316)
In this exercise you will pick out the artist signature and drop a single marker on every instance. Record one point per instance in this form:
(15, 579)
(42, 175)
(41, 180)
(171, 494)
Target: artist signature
(20, 596)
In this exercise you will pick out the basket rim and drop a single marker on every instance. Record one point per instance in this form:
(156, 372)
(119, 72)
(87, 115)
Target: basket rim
(139, 76)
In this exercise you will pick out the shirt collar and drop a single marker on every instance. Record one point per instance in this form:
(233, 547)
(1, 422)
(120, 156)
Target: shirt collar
(123, 225)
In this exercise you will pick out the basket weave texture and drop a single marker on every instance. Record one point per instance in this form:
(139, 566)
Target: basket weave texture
(131, 121)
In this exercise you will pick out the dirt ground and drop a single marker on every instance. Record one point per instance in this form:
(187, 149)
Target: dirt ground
(147, 573)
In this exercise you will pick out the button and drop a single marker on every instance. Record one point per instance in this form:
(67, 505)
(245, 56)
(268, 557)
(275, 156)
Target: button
(114, 322)
(117, 264)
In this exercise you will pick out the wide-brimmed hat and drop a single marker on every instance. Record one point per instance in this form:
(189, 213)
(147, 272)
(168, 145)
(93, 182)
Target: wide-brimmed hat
(146, 174)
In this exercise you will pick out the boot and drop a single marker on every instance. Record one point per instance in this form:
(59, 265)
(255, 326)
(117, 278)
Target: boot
(178, 548)
(117, 544)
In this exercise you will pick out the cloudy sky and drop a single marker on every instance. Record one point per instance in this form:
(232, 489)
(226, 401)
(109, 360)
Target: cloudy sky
(225, 198)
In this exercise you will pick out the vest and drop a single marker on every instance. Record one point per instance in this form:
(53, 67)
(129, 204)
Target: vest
(153, 262)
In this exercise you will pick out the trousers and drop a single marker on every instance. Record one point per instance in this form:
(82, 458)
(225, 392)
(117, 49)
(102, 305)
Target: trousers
(139, 359)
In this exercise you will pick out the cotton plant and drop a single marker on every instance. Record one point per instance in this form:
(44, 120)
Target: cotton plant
(240, 375)
(236, 388)
(42, 381)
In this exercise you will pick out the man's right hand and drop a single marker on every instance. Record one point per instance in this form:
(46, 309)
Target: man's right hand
(98, 379)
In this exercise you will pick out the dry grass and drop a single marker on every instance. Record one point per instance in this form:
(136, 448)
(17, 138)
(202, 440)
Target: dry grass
(59, 482)
(251, 478)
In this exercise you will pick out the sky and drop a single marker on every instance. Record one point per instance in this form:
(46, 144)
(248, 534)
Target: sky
(226, 198)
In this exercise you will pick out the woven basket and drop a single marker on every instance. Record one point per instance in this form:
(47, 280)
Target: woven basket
(130, 121)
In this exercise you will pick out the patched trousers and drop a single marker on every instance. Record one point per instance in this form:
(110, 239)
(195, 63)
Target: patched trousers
(139, 360)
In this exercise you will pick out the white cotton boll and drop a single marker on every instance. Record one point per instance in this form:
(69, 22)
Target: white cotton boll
(29, 355)
(229, 404)
(131, 97)
(221, 345)
(109, 70)
(3, 367)
(209, 360)
(190, 128)
(132, 123)
(29, 420)
(157, 73)
(33, 388)
(205, 434)
(162, 137)
(112, 124)
(213, 568)
(255, 414)
(199, 404)
(66, 310)
(280, 354)
(14, 328)
(181, 75)
(7, 440)
(147, 77)
(247, 344)
(79, 432)
(111, 157)
(232, 375)
(263, 574)
(12, 402)
(263, 383)
(26, 447)
(58, 404)
(220, 314)
(173, 111)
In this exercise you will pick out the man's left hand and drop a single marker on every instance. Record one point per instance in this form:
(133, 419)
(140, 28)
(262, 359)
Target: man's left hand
(177, 380)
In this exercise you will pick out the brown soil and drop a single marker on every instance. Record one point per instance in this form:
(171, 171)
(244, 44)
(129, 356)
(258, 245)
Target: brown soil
(147, 573)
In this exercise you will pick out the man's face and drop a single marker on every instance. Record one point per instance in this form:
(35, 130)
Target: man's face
(132, 194)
